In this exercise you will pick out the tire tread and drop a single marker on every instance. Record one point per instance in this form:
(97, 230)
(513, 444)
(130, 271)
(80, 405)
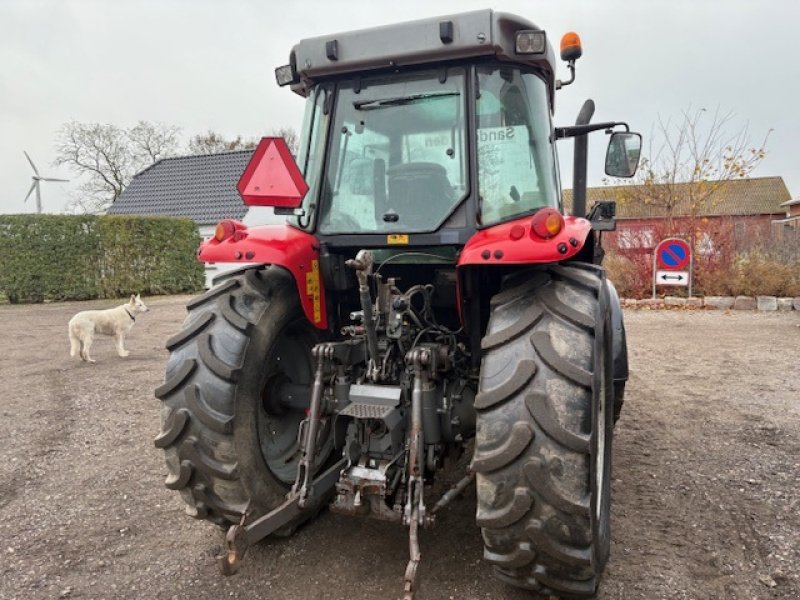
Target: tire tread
(203, 370)
(535, 515)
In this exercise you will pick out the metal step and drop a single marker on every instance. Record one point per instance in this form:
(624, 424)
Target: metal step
(362, 410)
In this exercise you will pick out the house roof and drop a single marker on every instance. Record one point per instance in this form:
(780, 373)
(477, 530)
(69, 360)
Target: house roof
(754, 196)
(200, 187)
(791, 202)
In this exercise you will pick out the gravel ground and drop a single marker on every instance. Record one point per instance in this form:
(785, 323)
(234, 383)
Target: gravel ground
(706, 477)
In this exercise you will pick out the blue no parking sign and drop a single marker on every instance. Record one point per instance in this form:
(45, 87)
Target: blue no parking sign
(673, 255)
(674, 259)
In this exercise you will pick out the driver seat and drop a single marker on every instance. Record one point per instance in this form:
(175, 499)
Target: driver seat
(419, 192)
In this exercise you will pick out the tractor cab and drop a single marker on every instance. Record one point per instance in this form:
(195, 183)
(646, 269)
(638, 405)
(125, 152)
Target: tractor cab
(423, 152)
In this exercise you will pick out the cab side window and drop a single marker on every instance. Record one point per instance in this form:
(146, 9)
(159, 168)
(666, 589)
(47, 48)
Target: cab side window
(516, 170)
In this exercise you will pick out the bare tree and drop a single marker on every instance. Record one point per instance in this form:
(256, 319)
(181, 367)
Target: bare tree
(690, 160)
(212, 142)
(109, 156)
(152, 142)
(290, 135)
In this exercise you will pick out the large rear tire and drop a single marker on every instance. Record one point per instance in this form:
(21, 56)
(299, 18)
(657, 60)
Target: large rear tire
(544, 430)
(230, 447)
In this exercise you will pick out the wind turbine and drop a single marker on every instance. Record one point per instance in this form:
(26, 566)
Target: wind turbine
(35, 185)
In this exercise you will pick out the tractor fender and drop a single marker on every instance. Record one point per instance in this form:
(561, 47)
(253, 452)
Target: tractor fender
(513, 243)
(281, 245)
(619, 345)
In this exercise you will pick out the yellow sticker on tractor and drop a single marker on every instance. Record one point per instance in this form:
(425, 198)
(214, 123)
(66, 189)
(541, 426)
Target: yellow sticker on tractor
(397, 238)
(312, 290)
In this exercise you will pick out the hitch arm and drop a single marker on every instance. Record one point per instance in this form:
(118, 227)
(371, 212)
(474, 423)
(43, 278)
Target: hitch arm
(240, 537)
(322, 354)
(414, 513)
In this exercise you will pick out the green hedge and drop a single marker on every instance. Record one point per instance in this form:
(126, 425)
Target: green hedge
(152, 255)
(63, 257)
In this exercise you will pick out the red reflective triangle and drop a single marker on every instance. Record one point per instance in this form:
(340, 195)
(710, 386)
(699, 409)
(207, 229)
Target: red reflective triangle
(272, 178)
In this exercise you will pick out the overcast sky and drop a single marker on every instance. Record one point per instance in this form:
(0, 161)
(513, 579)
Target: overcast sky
(208, 64)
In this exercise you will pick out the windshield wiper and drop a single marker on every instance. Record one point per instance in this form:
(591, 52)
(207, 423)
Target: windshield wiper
(400, 100)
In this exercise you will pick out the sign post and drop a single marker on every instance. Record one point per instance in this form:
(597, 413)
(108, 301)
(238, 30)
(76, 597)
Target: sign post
(672, 264)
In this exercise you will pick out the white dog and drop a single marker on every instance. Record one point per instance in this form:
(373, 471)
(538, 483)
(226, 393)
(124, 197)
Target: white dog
(112, 321)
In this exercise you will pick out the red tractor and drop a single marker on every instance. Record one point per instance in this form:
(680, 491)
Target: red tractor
(427, 297)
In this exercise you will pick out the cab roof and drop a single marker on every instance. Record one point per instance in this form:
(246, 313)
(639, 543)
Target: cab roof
(471, 35)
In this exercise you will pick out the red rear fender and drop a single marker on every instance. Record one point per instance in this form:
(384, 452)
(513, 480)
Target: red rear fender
(513, 243)
(280, 245)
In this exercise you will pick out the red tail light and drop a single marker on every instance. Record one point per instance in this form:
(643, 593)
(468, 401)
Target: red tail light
(229, 229)
(547, 223)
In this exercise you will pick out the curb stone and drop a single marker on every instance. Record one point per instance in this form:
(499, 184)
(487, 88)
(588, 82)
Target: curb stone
(718, 302)
(674, 301)
(767, 303)
(694, 302)
(651, 302)
(762, 303)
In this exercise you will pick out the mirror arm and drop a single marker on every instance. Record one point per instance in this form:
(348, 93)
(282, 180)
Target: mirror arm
(603, 215)
(571, 67)
(576, 130)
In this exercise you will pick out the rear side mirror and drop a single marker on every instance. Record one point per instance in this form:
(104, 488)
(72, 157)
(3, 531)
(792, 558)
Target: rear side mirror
(622, 156)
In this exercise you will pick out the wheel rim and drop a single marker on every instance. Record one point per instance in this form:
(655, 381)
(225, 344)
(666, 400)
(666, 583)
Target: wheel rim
(278, 426)
(601, 449)
(600, 454)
